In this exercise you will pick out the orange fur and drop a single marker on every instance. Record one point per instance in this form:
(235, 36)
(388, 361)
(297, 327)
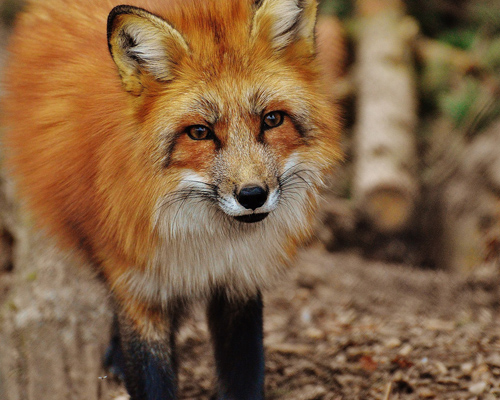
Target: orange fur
(88, 155)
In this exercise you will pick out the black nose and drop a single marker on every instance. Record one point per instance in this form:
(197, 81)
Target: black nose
(252, 196)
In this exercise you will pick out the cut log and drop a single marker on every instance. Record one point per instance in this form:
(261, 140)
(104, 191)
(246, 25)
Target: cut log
(385, 186)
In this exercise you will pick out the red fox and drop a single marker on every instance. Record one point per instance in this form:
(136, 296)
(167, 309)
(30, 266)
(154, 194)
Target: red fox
(180, 146)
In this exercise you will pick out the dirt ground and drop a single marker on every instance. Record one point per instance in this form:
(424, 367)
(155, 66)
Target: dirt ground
(341, 327)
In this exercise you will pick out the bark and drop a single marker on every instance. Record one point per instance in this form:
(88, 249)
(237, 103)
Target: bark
(385, 187)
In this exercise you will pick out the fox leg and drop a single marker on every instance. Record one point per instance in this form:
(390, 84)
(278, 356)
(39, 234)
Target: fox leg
(114, 361)
(236, 329)
(148, 344)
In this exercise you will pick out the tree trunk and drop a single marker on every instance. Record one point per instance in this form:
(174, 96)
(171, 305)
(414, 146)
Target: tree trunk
(385, 187)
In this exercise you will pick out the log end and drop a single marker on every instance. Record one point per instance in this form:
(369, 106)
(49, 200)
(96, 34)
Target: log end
(388, 209)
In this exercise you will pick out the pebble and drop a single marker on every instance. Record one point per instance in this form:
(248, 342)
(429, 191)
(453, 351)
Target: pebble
(494, 359)
(314, 333)
(441, 368)
(392, 343)
(425, 393)
(305, 316)
(341, 358)
(478, 388)
(285, 348)
(439, 325)
(406, 350)
(313, 392)
(467, 367)
(398, 376)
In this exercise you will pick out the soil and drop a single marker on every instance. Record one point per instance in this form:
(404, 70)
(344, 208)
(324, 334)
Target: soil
(342, 327)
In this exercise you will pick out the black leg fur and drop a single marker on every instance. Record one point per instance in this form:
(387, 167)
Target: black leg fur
(236, 329)
(150, 366)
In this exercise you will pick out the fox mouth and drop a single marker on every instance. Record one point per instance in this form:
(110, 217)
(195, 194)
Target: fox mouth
(251, 218)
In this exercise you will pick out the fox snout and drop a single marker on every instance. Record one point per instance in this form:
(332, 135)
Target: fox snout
(247, 182)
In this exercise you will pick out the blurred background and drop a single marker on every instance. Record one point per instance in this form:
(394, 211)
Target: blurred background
(420, 94)
(397, 295)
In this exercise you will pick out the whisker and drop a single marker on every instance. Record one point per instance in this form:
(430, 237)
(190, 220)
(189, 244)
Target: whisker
(191, 193)
(291, 168)
(180, 206)
(294, 183)
(210, 185)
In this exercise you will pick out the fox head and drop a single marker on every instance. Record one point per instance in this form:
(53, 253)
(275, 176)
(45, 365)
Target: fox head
(231, 119)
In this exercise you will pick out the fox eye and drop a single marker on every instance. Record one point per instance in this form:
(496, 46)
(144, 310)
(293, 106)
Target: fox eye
(199, 132)
(273, 119)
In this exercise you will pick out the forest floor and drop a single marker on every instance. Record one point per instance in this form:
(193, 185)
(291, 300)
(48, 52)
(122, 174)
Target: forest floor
(341, 327)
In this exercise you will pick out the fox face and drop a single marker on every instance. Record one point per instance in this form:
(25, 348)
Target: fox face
(244, 156)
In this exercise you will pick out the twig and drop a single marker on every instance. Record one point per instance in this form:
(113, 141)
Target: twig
(388, 390)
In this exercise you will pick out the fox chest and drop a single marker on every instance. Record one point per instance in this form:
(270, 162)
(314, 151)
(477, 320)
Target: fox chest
(192, 265)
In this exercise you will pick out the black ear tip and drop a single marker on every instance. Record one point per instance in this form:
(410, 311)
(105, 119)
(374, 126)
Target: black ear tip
(121, 10)
(111, 19)
(115, 12)
(118, 10)
(124, 9)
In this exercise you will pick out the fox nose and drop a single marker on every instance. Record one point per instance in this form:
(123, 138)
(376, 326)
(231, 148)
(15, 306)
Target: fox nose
(252, 196)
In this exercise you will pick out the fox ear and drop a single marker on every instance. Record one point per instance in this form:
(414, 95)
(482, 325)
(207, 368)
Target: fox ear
(143, 46)
(283, 22)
